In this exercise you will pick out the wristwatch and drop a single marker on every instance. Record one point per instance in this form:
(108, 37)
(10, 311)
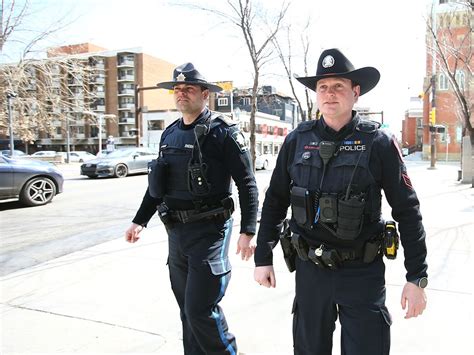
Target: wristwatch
(422, 282)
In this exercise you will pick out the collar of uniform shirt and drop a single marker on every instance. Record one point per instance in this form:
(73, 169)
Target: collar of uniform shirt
(327, 133)
(200, 119)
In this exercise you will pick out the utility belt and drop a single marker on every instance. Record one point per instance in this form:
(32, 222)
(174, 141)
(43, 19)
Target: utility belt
(332, 258)
(224, 211)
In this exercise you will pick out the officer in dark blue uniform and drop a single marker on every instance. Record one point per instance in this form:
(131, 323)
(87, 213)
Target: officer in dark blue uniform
(331, 172)
(190, 185)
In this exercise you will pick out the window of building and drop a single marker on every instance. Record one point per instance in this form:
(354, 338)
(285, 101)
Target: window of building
(156, 125)
(460, 79)
(222, 101)
(246, 101)
(443, 82)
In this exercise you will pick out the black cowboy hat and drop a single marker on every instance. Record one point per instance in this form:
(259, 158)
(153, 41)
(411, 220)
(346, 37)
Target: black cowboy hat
(187, 74)
(332, 63)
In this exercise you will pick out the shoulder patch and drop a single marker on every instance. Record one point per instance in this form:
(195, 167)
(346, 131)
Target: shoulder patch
(239, 140)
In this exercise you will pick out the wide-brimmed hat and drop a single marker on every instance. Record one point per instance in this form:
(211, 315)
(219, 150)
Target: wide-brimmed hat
(188, 74)
(332, 63)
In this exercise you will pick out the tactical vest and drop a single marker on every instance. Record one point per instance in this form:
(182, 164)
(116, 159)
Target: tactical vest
(333, 202)
(176, 149)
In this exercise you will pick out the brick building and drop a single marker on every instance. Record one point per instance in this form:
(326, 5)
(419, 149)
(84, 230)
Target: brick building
(452, 22)
(110, 97)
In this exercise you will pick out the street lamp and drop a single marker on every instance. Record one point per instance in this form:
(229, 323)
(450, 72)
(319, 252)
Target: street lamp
(11, 95)
(99, 117)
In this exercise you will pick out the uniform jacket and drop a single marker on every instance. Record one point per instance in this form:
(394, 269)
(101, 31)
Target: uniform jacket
(226, 157)
(381, 169)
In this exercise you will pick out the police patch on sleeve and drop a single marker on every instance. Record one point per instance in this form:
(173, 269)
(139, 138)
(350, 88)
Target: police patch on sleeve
(239, 140)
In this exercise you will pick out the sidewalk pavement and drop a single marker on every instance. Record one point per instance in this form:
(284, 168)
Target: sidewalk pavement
(115, 297)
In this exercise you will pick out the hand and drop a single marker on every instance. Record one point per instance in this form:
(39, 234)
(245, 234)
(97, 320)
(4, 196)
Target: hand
(415, 297)
(131, 234)
(244, 247)
(265, 276)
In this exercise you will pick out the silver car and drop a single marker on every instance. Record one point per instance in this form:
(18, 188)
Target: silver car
(120, 163)
(34, 183)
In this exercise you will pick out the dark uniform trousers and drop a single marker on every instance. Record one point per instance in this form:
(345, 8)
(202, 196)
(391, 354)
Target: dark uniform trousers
(199, 273)
(356, 293)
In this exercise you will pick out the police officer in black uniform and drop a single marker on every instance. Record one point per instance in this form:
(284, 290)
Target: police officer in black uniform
(331, 172)
(190, 185)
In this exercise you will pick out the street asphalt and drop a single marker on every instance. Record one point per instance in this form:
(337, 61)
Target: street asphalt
(115, 297)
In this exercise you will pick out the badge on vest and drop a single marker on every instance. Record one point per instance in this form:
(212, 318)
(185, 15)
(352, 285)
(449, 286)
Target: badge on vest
(352, 146)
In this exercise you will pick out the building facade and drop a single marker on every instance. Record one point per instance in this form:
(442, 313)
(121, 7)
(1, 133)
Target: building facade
(102, 100)
(443, 122)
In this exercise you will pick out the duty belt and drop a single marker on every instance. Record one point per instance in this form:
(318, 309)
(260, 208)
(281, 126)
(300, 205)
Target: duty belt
(187, 216)
(332, 258)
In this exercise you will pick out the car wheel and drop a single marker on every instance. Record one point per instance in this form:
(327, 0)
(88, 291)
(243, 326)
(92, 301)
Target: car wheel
(265, 165)
(38, 191)
(121, 171)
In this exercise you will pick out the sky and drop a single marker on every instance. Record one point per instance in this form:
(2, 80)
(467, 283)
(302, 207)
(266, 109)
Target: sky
(385, 34)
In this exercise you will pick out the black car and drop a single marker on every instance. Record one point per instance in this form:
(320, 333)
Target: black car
(120, 163)
(34, 183)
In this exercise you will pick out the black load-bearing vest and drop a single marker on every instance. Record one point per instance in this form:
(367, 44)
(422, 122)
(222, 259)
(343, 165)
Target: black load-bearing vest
(348, 166)
(176, 148)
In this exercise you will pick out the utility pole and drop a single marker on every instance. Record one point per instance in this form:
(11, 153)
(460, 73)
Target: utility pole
(138, 111)
(432, 120)
(10, 96)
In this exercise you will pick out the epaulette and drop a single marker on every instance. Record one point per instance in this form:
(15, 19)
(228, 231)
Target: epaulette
(218, 117)
(368, 126)
(306, 125)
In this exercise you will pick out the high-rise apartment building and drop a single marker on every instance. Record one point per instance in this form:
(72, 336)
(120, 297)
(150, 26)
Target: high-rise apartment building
(105, 93)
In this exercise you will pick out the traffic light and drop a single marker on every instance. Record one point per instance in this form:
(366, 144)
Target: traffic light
(433, 116)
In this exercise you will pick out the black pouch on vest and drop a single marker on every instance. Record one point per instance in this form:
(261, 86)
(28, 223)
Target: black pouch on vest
(157, 177)
(349, 218)
(302, 206)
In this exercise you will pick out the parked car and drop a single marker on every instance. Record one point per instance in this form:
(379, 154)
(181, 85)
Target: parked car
(16, 153)
(34, 183)
(119, 163)
(44, 153)
(263, 161)
(78, 156)
(103, 153)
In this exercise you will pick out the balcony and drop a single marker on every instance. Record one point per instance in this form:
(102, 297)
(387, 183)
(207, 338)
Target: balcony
(99, 108)
(126, 106)
(126, 92)
(80, 136)
(126, 78)
(127, 120)
(126, 63)
(98, 80)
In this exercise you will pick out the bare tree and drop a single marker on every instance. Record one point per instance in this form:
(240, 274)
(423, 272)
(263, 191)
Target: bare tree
(454, 52)
(286, 60)
(258, 31)
(44, 100)
(451, 42)
(48, 92)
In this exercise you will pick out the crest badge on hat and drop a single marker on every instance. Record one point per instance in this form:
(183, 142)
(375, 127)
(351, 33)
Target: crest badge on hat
(188, 74)
(332, 63)
(328, 61)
